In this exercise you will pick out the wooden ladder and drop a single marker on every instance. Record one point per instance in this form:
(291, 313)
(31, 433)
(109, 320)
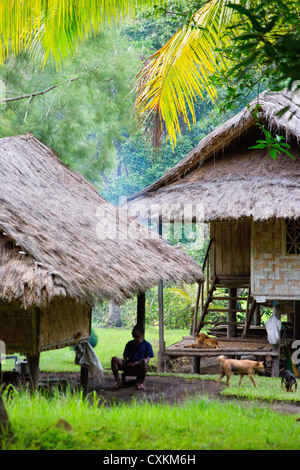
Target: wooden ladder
(232, 307)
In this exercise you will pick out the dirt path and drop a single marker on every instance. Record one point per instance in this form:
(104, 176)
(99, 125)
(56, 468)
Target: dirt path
(169, 389)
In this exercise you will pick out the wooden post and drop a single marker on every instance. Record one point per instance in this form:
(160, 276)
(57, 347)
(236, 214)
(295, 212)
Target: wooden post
(297, 319)
(84, 378)
(232, 329)
(257, 315)
(4, 420)
(33, 364)
(248, 319)
(276, 347)
(161, 351)
(141, 310)
(195, 319)
(196, 362)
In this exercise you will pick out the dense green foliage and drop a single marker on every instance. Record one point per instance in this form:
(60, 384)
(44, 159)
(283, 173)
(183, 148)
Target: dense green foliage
(84, 116)
(265, 53)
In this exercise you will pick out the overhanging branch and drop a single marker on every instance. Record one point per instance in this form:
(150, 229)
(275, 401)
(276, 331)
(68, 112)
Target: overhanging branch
(38, 93)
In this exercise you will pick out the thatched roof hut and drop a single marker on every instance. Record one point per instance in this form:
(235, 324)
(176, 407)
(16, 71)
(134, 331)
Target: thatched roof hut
(221, 178)
(252, 205)
(59, 237)
(63, 248)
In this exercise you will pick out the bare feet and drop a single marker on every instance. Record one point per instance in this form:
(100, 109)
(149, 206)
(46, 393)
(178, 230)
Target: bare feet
(118, 385)
(140, 387)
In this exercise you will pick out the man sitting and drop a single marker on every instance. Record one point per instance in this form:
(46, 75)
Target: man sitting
(137, 354)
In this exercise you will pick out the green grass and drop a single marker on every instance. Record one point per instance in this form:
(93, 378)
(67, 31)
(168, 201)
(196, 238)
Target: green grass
(195, 425)
(268, 389)
(111, 342)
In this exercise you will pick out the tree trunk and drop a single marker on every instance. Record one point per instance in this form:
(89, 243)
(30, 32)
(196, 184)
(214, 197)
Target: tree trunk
(114, 315)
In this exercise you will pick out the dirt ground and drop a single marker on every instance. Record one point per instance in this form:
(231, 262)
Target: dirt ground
(158, 389)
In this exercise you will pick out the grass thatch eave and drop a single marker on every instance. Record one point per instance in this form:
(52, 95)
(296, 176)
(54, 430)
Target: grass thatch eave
(60, 237)
(223, 179)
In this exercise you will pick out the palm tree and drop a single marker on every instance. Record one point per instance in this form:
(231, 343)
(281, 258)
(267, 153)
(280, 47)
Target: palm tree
(174, 77)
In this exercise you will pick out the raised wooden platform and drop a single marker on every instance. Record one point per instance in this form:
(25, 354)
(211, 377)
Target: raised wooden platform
(228, 347)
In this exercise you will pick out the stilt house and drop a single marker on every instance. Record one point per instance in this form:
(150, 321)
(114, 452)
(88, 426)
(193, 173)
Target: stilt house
(63, 248)
(252, 205)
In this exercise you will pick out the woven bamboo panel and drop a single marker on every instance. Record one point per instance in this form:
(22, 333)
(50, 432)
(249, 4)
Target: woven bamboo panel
(32, 330)
(274, 273)
(17, 328)
(61, 321)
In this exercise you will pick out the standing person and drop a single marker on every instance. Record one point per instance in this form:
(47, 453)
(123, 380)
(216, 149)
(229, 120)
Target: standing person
(137, 354)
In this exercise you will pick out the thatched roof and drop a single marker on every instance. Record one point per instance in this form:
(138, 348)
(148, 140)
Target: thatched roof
(221, 178)
(59, 237)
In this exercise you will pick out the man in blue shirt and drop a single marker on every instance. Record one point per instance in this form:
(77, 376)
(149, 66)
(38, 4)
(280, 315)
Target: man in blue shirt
(137, 354)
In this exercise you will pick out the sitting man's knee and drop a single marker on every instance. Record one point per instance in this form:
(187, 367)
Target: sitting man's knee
(114, 360)
(143, 364)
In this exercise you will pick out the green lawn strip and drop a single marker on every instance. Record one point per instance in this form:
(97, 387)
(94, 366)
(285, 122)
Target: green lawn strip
(268, 389)
(195, 424)
(111, 342)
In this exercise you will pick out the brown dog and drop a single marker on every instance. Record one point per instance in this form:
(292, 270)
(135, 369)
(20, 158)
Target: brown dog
(203, 341)
(241, 366)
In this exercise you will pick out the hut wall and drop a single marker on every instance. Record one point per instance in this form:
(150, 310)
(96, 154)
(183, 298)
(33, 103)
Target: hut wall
(231, 249)
(274, 274)
(18, 328)
(29, 331)
(61, 321)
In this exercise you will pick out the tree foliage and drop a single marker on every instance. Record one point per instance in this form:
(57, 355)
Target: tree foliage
(55, 28)
(85, 110)
(240, 44)
(265, 53)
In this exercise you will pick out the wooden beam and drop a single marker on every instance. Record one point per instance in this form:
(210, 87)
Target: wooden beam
(297, 319)
(33, 362)
(208, 299)
(161, 351)
(141, 310)
(248, 319)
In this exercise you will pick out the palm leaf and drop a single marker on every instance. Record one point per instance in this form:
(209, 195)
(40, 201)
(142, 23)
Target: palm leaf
(173, 78)
(56, 27)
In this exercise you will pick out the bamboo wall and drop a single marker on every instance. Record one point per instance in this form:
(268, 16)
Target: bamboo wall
(274, 274)
(35, 330)
(17, 328)
(61, 321)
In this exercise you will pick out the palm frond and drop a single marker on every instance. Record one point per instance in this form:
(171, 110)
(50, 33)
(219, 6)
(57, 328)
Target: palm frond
(173, 78)
(57, 26)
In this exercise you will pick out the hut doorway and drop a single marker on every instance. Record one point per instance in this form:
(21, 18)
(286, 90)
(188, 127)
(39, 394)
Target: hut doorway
(227, 267)
(230, 252)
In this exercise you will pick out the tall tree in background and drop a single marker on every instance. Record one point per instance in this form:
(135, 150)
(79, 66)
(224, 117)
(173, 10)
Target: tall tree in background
(80, 109)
